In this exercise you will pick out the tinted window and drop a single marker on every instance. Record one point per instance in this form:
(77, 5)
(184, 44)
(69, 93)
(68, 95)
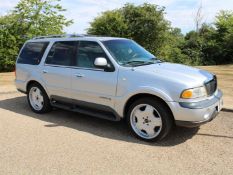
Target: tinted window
(32, 53)
(87, 52)
(61, 53)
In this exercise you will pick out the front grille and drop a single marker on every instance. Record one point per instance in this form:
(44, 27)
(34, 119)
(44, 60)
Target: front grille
(211, 86)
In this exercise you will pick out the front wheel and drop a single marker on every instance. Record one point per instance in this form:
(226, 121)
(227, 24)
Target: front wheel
(149, 119)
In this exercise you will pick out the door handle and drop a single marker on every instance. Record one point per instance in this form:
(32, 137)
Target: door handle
(45, 71)
(79, 75)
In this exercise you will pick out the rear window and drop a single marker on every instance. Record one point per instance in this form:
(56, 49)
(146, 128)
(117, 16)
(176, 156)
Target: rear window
(32, 53)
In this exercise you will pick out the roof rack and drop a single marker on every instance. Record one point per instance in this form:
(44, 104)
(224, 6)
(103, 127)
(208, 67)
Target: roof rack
(62, 36)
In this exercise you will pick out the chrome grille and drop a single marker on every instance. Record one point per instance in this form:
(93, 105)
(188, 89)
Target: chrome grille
(211, 86)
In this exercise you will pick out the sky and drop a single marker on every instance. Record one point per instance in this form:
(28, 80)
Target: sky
(180, 13)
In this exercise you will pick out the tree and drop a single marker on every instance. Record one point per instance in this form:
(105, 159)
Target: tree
(8, 43)
(172, 48)
(198, 18)
(209, 47)
(192, 47)
(40, 17)
(144, 23)
(214, 43)
(211, 44)
(28, 19)
(224, 37)
(110, 23)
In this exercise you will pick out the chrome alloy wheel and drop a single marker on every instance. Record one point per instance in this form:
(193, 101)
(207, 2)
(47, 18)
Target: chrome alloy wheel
(36, 98)
(146, 121)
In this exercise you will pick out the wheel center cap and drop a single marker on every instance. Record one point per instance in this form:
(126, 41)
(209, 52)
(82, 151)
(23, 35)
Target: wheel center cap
(146, 120)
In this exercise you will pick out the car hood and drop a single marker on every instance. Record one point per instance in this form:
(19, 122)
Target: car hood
(178, 72)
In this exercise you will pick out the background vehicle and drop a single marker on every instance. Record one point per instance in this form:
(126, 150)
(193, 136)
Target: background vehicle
(115, 78)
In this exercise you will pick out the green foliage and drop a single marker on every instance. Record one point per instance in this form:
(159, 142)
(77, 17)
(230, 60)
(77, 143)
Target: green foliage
(38, 17)
(144, 23)
(8, 42)
(192, 47)
(111, 23)
(224, 37)
(211, 44)
(29, 18)
(171, 50)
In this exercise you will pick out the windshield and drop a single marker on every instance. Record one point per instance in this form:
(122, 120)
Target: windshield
(128, 52)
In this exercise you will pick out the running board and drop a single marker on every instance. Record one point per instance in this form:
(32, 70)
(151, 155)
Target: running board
(86, 110)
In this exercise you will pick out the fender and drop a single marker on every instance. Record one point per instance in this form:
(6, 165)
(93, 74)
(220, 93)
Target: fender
(120, 102)
(38, 79)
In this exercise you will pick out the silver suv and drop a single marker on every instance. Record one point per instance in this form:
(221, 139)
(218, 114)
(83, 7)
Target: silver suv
(115, 78)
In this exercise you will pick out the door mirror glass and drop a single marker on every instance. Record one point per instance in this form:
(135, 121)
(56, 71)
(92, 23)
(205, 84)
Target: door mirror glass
(101, 62)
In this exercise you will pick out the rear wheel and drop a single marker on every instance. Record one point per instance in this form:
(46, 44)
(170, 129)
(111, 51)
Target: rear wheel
(38, 99)
(149, 119)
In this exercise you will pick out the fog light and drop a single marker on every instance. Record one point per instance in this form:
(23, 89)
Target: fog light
(206, 116)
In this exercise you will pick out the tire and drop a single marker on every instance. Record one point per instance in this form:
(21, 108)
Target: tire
(38, 99)
(149, 119)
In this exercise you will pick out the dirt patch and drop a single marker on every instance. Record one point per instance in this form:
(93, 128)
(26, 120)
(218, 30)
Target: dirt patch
(225, 81)
(7, 82)
(7, 78)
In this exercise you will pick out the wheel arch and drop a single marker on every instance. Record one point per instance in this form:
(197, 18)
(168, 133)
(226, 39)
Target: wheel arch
(32, 82)
(135, 97)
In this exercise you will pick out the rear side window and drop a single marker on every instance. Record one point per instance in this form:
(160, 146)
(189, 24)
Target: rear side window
(32, 53)
(61, 53)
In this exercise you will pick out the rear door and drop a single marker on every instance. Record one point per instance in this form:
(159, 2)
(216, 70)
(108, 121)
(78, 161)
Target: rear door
(28, 61)
(89, 83)
(56, 72)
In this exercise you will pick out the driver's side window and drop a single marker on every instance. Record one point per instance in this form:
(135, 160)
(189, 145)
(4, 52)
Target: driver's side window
(87, 52)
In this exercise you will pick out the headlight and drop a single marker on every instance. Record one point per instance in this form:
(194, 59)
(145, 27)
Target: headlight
(194, 93)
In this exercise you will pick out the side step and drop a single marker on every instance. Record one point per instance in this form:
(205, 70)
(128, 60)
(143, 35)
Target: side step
(87, 111)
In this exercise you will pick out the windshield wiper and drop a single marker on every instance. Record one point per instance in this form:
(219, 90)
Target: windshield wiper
(156, 60)
(138, 62)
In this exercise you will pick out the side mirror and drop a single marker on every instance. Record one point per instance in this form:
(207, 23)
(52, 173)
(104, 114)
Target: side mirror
(101, 62)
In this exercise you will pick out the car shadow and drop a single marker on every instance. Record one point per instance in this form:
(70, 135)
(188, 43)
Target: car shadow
(92, 125)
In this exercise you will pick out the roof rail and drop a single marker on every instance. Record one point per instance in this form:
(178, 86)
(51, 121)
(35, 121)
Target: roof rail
(61, 36)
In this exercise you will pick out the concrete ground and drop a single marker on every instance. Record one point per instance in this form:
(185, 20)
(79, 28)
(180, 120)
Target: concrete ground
(63, 142)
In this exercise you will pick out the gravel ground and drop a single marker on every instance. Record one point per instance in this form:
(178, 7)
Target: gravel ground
(63, 142)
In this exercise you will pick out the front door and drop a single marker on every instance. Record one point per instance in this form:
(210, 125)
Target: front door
(91, 84)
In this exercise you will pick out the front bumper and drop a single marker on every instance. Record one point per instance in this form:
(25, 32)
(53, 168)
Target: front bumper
(193, 114)
(191, 124)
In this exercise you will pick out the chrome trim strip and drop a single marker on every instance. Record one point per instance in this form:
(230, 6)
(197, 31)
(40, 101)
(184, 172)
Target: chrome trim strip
(74, 67)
